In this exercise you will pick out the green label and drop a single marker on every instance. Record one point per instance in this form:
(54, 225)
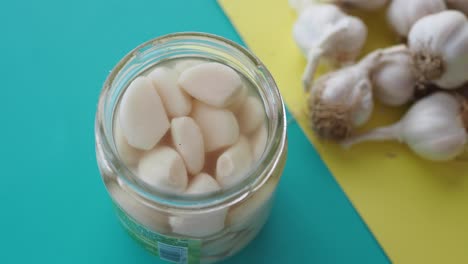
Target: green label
(171, 249)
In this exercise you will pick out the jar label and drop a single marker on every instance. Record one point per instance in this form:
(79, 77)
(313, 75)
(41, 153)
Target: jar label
(172, 249)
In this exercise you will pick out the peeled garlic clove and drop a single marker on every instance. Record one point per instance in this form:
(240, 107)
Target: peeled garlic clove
(219, 126)
(251, 115)
(176, 101)
(185, 64)
(142, 116)
(163, 169)
(394, 81)
(248, 212)
(220, 245)
(439, 44)
(402, 14)
(239, 100)
(198, 225)
(203, 184)
(212, 83)
(460, 5)
(147, 216)
(258, 142)
(128, 154)
(188, 140)
(232, 166)
(434, 128)
(243, 240)
(361, 4)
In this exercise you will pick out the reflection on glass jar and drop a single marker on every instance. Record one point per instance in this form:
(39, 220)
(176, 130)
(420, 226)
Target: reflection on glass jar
(189, 227)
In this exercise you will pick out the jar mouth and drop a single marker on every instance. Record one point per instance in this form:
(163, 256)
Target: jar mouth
(259, 172)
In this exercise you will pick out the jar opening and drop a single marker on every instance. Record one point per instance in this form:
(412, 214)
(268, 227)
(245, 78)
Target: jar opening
(204, 46)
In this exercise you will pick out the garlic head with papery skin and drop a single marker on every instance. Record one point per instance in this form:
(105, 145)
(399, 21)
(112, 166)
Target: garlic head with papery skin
(435, 128)
(343, 100)
(394, 81)
(439, 46)
(324, 31)
(402, 14)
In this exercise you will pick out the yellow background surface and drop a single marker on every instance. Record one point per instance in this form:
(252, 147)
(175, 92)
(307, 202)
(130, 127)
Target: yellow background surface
(418, 210)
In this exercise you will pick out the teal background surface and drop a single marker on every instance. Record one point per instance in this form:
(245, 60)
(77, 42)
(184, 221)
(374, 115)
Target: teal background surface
(54, 207)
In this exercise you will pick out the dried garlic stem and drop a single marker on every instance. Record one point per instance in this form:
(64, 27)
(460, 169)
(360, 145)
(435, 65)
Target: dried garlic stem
(316, 53)
(380, 134)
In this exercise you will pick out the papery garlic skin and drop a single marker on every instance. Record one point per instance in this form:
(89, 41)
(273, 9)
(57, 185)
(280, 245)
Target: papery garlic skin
(360, 4)
(439, 44)
(402, 14)
(326, 31)
(460, 5)
(394, 81)
(433, 128)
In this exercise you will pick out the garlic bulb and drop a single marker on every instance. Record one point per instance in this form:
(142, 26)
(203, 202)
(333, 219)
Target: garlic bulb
(326, 31)
(402, 14)
(435, 128)
(342, 100)
(460, 5)
(360, 4)
(439, 44)
(394, 81)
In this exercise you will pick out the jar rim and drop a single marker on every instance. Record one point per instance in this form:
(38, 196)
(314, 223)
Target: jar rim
(262, 169)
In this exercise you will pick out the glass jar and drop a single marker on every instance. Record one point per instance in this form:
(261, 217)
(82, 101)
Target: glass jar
(200, 229)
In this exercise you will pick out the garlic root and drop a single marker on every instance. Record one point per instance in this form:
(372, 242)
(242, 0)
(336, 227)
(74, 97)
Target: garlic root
(428, 67)
(439, 44)
(334, 121)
